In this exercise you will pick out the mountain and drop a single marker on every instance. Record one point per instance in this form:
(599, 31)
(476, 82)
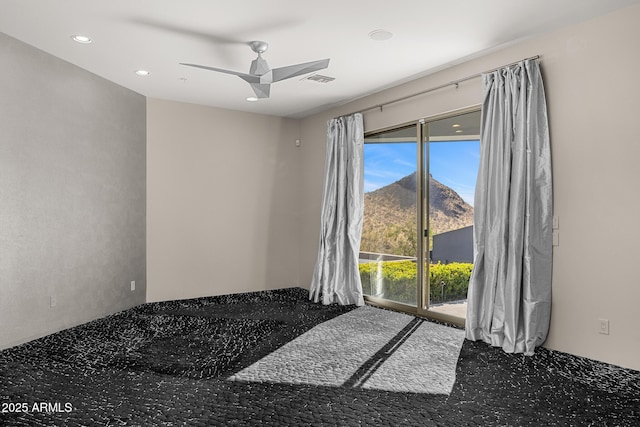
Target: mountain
(390, 215)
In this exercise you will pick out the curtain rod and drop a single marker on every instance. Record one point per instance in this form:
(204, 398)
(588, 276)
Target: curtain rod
(455, 82)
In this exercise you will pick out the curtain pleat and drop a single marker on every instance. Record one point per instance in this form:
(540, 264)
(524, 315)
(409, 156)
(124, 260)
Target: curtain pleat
(336, 277)
(509, 299)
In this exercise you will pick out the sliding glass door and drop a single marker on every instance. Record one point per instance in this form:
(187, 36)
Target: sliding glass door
(417, 242)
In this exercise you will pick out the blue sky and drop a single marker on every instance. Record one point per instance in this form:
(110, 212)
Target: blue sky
(455, 164)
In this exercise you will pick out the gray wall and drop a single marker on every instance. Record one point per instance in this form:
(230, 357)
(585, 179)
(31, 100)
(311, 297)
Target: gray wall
(72, 194)
(453, 246)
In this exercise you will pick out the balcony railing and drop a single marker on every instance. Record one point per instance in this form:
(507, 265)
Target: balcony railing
(394, 277)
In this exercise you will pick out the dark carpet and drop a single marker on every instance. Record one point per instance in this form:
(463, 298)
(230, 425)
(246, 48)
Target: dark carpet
(169, 363)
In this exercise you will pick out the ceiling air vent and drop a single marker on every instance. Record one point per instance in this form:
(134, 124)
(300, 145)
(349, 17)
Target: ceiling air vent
(319, 78)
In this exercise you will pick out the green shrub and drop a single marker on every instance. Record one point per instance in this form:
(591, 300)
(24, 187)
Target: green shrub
(455, 276)
(396, 281)
(392, 280)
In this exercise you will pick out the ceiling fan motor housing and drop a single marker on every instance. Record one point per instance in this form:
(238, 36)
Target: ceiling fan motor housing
(259, 67)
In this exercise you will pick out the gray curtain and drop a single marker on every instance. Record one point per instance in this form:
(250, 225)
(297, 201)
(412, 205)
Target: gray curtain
(336, 277)
(509, 299)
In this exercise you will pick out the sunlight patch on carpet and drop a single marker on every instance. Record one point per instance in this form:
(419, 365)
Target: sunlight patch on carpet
(367, 348)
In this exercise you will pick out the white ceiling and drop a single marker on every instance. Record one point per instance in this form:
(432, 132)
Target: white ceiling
(156, 35)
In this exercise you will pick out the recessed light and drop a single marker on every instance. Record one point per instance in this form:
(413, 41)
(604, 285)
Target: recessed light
(456, 125)
(252, 99)
(459, 131)
(143, 73)
(81, 39)
(380, 35)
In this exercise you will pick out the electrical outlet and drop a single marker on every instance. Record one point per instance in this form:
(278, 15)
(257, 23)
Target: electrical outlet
(604, 326)
(53, 301)
(556, 222)
(133, 285)
(555, 237)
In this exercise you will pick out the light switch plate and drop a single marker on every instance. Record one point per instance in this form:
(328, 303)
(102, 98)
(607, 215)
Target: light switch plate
(604, 326)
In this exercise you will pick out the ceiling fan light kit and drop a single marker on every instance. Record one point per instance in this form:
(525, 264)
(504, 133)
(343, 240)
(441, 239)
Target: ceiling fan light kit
(261, 76)
(81, 39)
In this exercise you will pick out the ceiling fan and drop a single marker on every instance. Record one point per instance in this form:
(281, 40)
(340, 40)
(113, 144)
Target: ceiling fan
(260, 76)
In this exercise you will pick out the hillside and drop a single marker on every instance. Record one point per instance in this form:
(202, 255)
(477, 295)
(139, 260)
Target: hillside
(390, 215)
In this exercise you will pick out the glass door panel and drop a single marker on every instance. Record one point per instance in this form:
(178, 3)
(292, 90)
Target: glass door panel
(388, 250)
(452, 156)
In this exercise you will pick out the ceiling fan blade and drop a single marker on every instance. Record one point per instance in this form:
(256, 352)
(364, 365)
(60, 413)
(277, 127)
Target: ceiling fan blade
(191, 32)
(287, 72)
(219, 42)
(244, 76)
